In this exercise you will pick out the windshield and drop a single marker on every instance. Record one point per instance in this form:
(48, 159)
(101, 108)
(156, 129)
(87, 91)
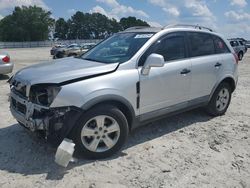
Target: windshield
(118, 48)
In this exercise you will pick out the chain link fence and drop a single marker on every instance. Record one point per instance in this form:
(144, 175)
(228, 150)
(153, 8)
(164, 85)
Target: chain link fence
(35, 44)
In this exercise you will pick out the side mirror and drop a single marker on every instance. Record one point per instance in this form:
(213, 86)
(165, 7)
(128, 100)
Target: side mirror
(153, 60)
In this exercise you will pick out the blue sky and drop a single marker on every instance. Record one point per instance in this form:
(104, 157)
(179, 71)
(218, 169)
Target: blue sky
(229, 17)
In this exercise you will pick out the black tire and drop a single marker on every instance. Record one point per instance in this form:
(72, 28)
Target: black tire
(240, 56)
(212, 108)
(108, 110)
(59, 55)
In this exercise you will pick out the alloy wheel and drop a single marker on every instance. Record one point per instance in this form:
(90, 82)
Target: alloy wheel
(100, 133)
(222, 99)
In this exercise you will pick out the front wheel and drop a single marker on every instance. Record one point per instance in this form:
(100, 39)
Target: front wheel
(101, 132)
(220, 100)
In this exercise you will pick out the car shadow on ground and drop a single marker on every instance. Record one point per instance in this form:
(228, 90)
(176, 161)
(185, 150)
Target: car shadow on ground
(24, 153)
(4, 77)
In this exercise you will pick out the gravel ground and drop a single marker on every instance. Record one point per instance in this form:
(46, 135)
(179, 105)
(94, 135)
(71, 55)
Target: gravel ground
(187, 150)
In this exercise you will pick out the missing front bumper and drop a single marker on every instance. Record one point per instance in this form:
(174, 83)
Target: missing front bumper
(55, 122)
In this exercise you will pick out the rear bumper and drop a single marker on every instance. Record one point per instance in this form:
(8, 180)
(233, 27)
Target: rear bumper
(55, 122)
(6, 68)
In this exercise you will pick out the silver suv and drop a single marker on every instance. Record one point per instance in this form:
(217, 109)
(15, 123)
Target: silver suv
(129, 79)
(239, 47)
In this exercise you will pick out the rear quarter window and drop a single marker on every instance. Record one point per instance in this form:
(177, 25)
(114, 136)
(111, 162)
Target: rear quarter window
(220, 46)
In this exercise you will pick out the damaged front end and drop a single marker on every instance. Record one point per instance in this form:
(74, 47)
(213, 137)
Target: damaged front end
(30, 105)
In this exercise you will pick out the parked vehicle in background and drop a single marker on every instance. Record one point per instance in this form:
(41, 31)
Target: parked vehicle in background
(6, 66)
(133, 77)
(70, 50)
(54, 48)
(248, 44)
(239, 47)
(87, 46)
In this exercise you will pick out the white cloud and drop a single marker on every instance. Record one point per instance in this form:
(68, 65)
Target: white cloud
(71, 11)
(98, 9)
(166, 7)
(200, 14)
(199, 8)
(9, 4)
(241, 3)
(237, 16)
(1, 17)
(232, 30)
(172, 11)
(111, 3)
(118, 10)
(161, 3)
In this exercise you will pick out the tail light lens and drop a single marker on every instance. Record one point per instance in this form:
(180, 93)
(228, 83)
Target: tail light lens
(236, 58)
(6, 59)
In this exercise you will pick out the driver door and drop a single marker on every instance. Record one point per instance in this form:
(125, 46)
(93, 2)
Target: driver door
(166, 88)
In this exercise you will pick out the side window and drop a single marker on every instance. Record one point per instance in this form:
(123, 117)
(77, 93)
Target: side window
(236, 43)
(241, 43)
(171, 48)
(220, 46)
(201, 44)
(232, 43)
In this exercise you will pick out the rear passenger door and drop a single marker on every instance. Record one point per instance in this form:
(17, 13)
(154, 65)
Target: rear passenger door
(205, 64)
(225, 56)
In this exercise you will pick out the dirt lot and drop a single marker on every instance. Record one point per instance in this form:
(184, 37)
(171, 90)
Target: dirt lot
(188, 150)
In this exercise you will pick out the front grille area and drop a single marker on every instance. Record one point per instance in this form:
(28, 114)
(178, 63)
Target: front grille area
(18, 106)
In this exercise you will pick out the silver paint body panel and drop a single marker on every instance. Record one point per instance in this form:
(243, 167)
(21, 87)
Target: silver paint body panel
(163, 88)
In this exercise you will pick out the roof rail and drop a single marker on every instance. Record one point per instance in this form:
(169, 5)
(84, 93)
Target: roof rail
(136, 27)
(188, 25)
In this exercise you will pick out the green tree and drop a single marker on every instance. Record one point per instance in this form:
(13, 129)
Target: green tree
(78, 26)
(26, 24)
(131, 22)
(61, 29)
(91, 26)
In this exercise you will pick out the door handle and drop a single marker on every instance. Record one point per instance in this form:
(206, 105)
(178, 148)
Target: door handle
(185, 71)
(217, 64)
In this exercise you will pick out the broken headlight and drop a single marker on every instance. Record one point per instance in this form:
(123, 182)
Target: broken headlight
(44, 95)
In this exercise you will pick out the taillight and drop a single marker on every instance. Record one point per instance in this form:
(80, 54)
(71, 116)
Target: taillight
(236, 58)
(6, 59)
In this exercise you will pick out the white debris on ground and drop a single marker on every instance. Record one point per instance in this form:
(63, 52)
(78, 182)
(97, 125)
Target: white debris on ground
(65, 152)
(191, 149)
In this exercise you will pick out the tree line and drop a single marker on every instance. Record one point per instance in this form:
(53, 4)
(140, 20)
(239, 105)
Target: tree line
(35, 24)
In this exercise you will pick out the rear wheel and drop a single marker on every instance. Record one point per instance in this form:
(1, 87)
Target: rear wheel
(101, 132)
(220, 100)
(59, 55)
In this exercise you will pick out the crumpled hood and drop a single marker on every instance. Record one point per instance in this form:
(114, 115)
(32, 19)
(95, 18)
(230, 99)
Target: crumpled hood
(62, 70)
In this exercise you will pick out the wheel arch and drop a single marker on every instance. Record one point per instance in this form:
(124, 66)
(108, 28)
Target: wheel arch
(123, 104)
(229, 79)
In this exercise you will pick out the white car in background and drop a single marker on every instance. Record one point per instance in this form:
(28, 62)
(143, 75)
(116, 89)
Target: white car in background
(6, 66)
